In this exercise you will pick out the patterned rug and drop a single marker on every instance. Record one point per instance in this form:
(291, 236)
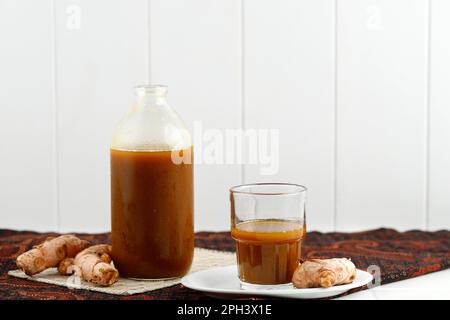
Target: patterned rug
(398, 255)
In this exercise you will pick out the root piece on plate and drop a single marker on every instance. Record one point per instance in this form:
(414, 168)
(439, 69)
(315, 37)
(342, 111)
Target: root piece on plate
(324, 273)
(49, 253)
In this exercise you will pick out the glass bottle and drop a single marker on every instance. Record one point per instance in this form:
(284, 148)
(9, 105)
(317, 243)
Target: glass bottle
(152, 224)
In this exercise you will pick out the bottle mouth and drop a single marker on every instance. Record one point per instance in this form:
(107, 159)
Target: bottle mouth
(153, 89)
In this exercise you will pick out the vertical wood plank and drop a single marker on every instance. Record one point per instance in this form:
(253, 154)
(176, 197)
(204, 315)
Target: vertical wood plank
(101, 55)
(195, 50)
(439, 202)
(381, 109)
(289, 86)
(27, 153)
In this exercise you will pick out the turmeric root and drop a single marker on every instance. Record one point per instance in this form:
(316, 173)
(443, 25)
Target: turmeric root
(92, 264)
(325, 273)
(50, 253)
(65, 267)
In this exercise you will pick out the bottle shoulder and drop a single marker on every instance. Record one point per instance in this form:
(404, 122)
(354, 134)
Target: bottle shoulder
(152, 129)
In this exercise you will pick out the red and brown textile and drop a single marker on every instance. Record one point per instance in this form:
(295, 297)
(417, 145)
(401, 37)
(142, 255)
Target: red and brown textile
(399, 255)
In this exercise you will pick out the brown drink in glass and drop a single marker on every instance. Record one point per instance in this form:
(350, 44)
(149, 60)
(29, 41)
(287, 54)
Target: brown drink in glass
(268, 226)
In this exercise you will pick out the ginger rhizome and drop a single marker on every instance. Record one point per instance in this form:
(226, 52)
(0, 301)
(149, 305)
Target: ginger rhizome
(50, 253)
(93, 264)
(324, 273)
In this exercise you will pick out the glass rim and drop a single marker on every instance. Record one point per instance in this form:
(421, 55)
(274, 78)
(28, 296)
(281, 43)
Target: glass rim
(300, 189)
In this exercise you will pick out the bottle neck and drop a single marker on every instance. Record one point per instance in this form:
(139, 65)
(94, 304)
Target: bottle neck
(147, 101)
(150, 95)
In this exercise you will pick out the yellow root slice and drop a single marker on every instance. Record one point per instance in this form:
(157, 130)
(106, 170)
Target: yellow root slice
(324, 273)
(50, 253)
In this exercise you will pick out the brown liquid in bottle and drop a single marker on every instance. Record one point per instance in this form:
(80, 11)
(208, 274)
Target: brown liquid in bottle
(152, 214)
(268, 251)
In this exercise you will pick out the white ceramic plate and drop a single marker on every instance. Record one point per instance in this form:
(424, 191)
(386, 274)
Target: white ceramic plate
(222, 282)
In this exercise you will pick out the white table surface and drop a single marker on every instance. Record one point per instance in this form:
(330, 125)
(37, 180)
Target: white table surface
(430, 286)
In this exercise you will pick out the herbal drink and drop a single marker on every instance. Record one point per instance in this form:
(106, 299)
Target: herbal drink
(268, 251)
(152, 214)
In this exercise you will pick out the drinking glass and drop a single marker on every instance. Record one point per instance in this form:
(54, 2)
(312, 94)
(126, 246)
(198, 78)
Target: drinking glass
(268, 225)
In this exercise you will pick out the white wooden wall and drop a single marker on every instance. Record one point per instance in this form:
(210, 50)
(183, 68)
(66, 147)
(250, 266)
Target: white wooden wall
(359, 90)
